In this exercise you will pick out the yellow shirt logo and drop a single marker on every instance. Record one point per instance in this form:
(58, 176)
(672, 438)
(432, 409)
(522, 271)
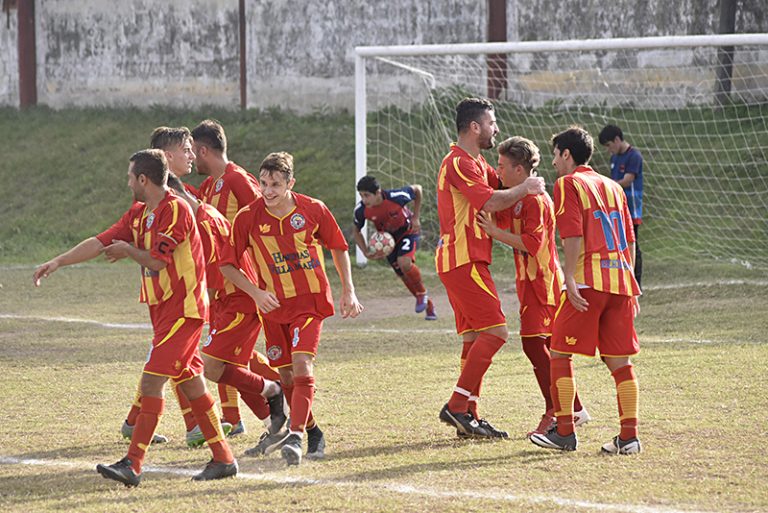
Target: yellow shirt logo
(571, 341)
(264, 228)
(548, 321)
(238, 350)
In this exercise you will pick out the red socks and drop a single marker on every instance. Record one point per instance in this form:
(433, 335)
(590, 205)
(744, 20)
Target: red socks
(627, 394)
(209, 423)
(301, 402)
(186, 408)
(242, 379)
(479, 358)
(412, 280)
(230, 406)
(537, 351)
(144, 430)
(563, 392)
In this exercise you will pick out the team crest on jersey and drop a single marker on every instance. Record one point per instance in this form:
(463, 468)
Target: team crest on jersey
(264, 228)
(219, 185)
(298, 221)
(150, 220)
(210, 338)
(274, 352)
(518, 208)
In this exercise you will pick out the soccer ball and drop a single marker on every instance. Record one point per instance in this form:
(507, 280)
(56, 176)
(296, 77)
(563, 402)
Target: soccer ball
(381, 243)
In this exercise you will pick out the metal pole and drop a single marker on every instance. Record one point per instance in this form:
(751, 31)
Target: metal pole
(360, 139)
(243, 66)
(27, 54)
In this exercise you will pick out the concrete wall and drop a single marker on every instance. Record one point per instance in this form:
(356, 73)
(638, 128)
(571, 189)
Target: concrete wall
(137, 52)
(299, 53)
(9, 60)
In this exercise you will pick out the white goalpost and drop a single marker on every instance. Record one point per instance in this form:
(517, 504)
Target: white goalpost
(695, 106)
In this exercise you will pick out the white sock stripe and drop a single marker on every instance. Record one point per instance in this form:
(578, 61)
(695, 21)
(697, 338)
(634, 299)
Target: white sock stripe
(461, 391)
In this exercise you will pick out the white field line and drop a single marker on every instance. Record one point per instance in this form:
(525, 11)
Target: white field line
(698, 284)
(361, 329)
(403, 489)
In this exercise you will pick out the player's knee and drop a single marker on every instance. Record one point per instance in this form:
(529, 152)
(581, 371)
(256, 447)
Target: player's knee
(405, 264)
(213, 368)
(286, 376)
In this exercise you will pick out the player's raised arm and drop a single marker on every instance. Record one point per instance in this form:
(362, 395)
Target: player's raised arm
(418, 194)
(86, 250)
(486, 223)
(500, 200)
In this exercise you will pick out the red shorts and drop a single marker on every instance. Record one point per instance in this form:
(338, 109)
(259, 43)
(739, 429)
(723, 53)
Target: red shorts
(233, 336)
(299, 336)
(472, 293)
(536, 319)
(174, 350)
(608, 325)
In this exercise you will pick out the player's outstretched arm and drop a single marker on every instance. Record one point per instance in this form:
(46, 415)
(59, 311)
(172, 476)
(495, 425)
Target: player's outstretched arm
(120, 249)
(88, 249)
(485, 221)
(265, 301)
(500, 200)
(349, 305)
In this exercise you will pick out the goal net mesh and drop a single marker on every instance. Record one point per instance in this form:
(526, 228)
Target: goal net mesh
(705, 151)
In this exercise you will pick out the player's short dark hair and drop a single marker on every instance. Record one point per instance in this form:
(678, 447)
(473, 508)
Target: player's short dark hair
(175, 183)
(163, 137)
(210, 133)
(368, 184)
(469, 110)
(521, 151)
(577, 141)
(278, 162)
(610, 133)
(152, 164)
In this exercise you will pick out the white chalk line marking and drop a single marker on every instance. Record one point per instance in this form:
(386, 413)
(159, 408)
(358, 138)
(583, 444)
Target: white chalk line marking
(403, 489)
(361, 329)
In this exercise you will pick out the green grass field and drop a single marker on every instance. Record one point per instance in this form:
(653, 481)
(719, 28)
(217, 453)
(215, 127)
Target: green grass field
(66, 386)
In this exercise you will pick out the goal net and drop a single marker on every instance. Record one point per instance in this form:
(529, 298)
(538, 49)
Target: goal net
(696, 107)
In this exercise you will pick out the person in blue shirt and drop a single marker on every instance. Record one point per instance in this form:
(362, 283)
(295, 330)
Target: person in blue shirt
(627, 170)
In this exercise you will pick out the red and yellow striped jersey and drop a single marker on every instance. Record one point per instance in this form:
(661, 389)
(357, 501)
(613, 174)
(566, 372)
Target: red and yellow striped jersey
(533, 219)
(287, 253)
(215, 232)
(170, 234)
(232, 191)
(464, 184)
(594, 207)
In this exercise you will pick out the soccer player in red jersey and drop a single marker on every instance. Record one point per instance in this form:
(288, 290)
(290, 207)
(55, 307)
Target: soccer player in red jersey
(466, 185)
(176, 144)
(538, 277)
(227, 187)
(283, 232)
(235, 326)
(159, 232)
(596, 229)
(388, 211)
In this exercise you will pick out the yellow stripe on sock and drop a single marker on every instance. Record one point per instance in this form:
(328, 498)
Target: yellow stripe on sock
(629, 399)
(566, 392)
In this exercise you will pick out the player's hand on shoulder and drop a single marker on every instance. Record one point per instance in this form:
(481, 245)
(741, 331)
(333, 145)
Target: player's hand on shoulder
(350, 306)
(534, 184)
(44, 270)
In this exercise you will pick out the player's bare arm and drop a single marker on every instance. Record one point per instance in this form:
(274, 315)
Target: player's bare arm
(572, 248)
(486, 223)
(121, 249)
(349, 305)
(627, 180)
(635, 299)
(416, 219)
(500, 200)
(265, 301)
(86, 250)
